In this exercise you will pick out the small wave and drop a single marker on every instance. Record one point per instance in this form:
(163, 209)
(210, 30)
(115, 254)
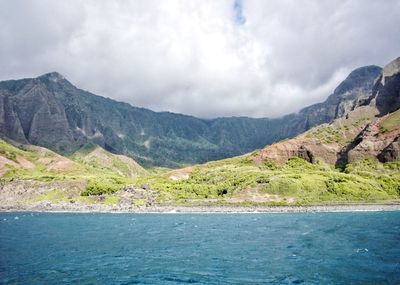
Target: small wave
(361, 250)
(180, 280)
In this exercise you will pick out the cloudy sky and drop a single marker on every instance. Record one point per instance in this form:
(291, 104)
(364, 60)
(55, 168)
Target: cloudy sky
(201, 57)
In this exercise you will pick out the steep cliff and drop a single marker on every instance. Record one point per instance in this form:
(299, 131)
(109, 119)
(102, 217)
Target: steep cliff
(387, 88)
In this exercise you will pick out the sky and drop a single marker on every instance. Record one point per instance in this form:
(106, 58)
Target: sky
(207, 58)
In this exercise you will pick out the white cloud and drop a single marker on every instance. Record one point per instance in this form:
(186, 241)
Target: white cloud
(202, 57)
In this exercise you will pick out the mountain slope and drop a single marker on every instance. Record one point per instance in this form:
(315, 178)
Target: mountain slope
(367, 132)
(102, 159)
(33, 175)
(39, 163)
(49, 111)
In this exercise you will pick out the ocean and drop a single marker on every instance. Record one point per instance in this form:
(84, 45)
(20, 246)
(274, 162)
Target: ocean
(295, 248)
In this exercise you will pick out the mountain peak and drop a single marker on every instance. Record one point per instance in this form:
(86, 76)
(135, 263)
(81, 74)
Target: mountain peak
(391, 68)
(358, 78)
(55, 81)
(53, 76)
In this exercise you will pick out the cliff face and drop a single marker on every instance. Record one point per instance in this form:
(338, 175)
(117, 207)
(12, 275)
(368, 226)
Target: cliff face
(49, 111)
(387, 88)
(354, 91)
(10, 124)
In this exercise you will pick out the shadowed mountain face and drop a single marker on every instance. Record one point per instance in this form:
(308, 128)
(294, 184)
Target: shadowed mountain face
(387, 88)
(49, 111)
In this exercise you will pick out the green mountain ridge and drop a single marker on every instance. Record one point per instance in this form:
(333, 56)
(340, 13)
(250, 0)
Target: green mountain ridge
(49, 111)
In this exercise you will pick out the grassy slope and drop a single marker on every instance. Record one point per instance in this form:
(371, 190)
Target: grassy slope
(391, 122)
(31, 163)
(101, 159)
(343, 130)
(296, 182)
(46, 165)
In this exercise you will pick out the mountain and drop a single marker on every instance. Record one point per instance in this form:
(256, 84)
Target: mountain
(352, 159)
(367, 132)
(49, 111)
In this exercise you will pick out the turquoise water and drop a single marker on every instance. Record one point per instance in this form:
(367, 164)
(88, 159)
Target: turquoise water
(321, 248)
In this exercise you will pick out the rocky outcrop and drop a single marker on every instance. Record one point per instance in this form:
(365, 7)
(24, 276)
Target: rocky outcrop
(387, 88)
(19, 192)
(341, 142)
(391, 152)
(129, 194)
(309, 149)
(367, 146)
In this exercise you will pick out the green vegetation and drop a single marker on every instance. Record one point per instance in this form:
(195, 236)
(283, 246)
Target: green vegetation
(55, 196)
(328, 134)
(111, 200)
(58, 196)
(100, 180)
(296, 182)
(139, 202)
(99, 158)
(104, 185)
(11, 152)
(391, 122)
(238, 181)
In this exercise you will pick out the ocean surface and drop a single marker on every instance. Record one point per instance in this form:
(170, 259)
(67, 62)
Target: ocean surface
(300, 248)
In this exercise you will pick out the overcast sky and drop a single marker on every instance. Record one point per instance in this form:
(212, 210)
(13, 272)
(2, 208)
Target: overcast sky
(206, 58)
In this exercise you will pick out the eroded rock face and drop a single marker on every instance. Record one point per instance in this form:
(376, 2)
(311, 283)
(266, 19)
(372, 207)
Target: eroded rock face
(310, 149)
(368, 145)
(387, 88)
(350, 140)
(391, 152)
(391, 69)
(374, 143)
(354, 91)
(43, 119)
(9, 121)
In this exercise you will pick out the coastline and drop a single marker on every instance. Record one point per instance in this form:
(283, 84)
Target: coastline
(225, 209)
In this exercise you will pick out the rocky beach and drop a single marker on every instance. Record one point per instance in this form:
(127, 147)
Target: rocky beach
(102, 208)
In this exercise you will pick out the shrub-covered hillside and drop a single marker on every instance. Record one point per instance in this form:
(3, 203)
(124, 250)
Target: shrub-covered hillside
(297, 182)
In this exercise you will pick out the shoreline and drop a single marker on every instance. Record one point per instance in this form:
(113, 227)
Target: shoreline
(226, 209)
